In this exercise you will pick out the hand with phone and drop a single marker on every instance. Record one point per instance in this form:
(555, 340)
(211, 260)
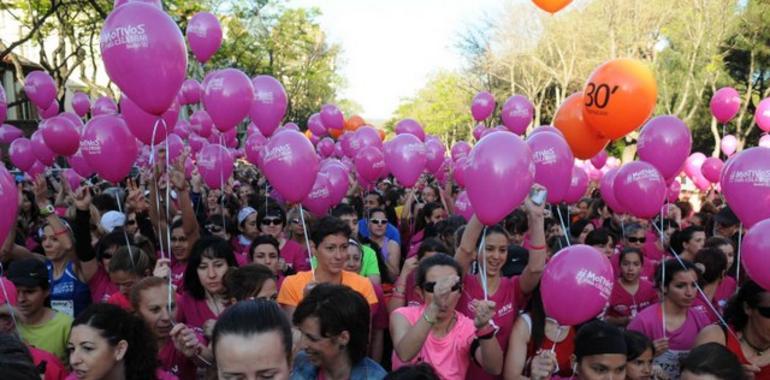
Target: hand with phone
(534, 205)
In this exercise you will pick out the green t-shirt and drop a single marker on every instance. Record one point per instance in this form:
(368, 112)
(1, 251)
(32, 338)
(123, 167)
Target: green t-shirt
(369, 265)
(49, 336)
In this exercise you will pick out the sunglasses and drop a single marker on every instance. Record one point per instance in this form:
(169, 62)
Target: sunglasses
(130, 222)
(378, 221)
(271, 221)
(429, 286)
(637, 240)
(764, 311)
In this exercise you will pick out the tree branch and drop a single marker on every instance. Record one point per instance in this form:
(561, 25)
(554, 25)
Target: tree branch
(55, 5)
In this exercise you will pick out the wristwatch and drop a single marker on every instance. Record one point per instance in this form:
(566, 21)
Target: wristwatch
(47, 211)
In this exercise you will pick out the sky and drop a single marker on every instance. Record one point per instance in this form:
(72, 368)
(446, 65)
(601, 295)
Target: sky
(390, 47)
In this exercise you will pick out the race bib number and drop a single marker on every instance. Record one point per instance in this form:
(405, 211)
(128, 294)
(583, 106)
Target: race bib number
(64, 306)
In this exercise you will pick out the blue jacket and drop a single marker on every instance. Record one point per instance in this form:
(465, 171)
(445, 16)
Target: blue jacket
(366, 369)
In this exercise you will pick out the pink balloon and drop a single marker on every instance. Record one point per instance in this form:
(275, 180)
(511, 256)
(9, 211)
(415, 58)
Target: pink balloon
(253, 147)
(613, 162)
(201, 123)
(478, 131)
(80, 165)
(196, 143)
(154, 3)
(546, 128)
(599, 159)
(318, 200)
(517, 114)
(291, 126)
(370, 163)
(762, 115)
(578, 185)
(406, 159)
(350, 144)
(463, 206)
(204, 35)
(227, 97)
(20, 153)
(554, 162)
(745, 185)
(673, 191)
(487, 131)
(607, 191)
(9, 198)
(76, 121)
(368, 136)
(332, 117)
(81, 103)
(587, 274)
(37, 169)
(290, 152)
(191, 92)
(73, 178)
(434, 151)
(729, 145)
(338, 180)
(42, 152)
(49, 112)
(9, 133)
(754, 249)
(104, 106)
(665, 142)
(61, 136)
(325, 147)
(593, 173)
(315, 125)
(458, 171)
(148, 128)
(413, 127)
(499, 175)
(640, 189)
(483, 105)
(270, 104)
(764, 141)
(725, 104)
(145, 55)
(182, 128)
(109, 147)
(711, 169)
(215, 165)
(460, 149)
(175, 147)
(40, 89)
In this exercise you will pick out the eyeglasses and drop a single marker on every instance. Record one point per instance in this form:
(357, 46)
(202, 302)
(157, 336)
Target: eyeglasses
(130, 222)
(429, 286)
(632, 239)
(271, 221)
(378, 221)
(764, 311)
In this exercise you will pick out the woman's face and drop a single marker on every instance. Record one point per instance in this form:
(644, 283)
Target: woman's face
(324, 352)
(26, 205)
(268, 291)
(295, 224)
(179, 244)
(682, 289)
(641, 367)
(602, 367)
(210, 273)
(378, 224)
(131, 224)
(433, 275)
(272, 225)
(582, 209)
(249, 227)
(586, 230)
(332, 253)
(252, 357)
(496, 252)
(729, 252)
(124, 280)
(52, 246)
(244, 192)
(636, 239)
(695, 243)
(759, 317)
(630, 267)
(267, 255)
(429, 195)
(91, 356)
(353, 263)
(212, 199)
(607, 249)
(155, 311)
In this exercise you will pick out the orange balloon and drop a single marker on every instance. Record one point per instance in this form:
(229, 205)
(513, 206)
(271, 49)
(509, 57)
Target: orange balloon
(354, 122)
(551, 6)
(308, 134)
(584, 141)
(381, 133)
(619, 97)
(335, 133)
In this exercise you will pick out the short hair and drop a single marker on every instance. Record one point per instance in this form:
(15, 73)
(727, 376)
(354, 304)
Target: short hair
(637, 343)
(628, 251)
(338, 308)
(246, 281)
(599, 337)
(576, 228)
(270, 210)
(632, 228)
(15, 359)
(211, 247)
(599, 236)
(380, 198)
(431, 245)
(435, 261)
(375, 210)
(131, 259)
(343, 209)
(263, 239)
(713, 359)
(142, 285)
(115, 238)
(247, 318)
(718, 241)
(671, 267)
(714, 264)
(329, 225)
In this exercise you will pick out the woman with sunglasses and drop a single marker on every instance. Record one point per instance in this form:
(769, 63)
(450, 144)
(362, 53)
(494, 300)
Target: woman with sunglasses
(748, 315)
(294, 230)
(630, 293)
(436, 333)
(389, 249)
(635, 237)
(271, 221)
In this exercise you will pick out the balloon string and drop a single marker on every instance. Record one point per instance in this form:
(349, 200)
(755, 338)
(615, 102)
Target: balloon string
(307, 242)
(125, 232)
(663, 268)
(168, 214)
(738, 265)
(563, 226)
(157, 194)
(482, 261)
(11, 309)
(221, 180)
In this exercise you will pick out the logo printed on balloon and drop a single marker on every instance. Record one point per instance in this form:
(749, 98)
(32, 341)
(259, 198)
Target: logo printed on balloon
(280, 152)
(757, 177)
(642, 175)
(601, 283)
(319, 193)
(91, 146)
(133, 36)
(545, 156)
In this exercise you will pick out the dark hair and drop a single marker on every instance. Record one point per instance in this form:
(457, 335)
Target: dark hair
(425, 213)
(630, 250)
(338, 308)
(591, 339)
(713, 359)
(176, 224)
(672, 267)
(496, 229)
(714, 264)
(576, 228)
(131, 259)
(329, 225)
(142, 285)
(718, 241)
(211, 247)
(516, 222)
(116, 238)
(246, 281)
(599, 236)
(15, 360)
(435, 261)
(343, 209)
(374, 210)
(421, 371)
(637, 343)
(680, 237)
(747, 296)
(248, 318)
(263, 239)
(227, 224)
(380, 198)
(115, 324)
(667, 223)
(430, 245)
(271, 210)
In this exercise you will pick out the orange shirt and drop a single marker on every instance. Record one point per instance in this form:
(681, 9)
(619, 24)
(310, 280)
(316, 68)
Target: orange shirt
(293, 287)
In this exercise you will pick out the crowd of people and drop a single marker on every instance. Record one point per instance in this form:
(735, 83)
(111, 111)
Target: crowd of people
(121, 282)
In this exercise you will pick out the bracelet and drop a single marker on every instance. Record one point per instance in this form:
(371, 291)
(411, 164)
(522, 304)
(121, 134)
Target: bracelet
(487, 332)
(62, 232)
(537, 248)
(426, 319)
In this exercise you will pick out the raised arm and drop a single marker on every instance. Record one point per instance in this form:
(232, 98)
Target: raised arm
(43, 202)
(530, 277)
(466, 252)
(516, 357)
(86, 263)
(189, 221)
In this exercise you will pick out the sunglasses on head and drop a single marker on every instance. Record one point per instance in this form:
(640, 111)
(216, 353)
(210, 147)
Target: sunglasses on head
(271, 221)
(429, 286)
(763, 311)
(632, 239)
(378, 221)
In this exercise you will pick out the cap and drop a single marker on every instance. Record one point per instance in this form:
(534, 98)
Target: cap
(111, 220)
(28, 272)
(9, 289)
(245, 213)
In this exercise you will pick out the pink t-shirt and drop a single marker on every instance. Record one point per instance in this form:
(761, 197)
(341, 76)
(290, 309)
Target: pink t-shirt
(118, 299)
(54, 369)
(650, 250)
(625, 304)
(295, 256)
(450, 355)
(724, 291)
(193, 312)
(507, 298)
(174, 362)
(177, 275)
(380, 315)
(101, 286)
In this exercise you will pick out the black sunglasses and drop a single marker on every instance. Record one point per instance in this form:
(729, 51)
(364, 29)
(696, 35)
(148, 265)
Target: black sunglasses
(429, 286)
(271, 221)
(632, 239)
(378, 221)
(214, 229)
(130, 222)
(764, 311)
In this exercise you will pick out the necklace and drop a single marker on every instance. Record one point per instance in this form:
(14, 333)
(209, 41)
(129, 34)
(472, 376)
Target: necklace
(758, 351)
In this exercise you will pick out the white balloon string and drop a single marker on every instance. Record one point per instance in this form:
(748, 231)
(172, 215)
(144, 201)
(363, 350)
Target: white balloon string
(563, 225)
(307, 242)
(168, 216)
(482, 261)
(11, 309)
(221, 181)
(125, 232)
(158, 227)
(738, 264)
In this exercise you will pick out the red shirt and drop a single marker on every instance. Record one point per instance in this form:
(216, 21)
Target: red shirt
(734, 346)
(625, 304)
(54, 369)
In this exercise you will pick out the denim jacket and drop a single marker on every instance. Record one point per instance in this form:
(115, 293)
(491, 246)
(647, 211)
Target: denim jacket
(366, 369)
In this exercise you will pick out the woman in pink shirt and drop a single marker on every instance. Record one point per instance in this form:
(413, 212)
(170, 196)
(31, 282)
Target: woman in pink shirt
(712, 264)
(672, 324)
(630, 294)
